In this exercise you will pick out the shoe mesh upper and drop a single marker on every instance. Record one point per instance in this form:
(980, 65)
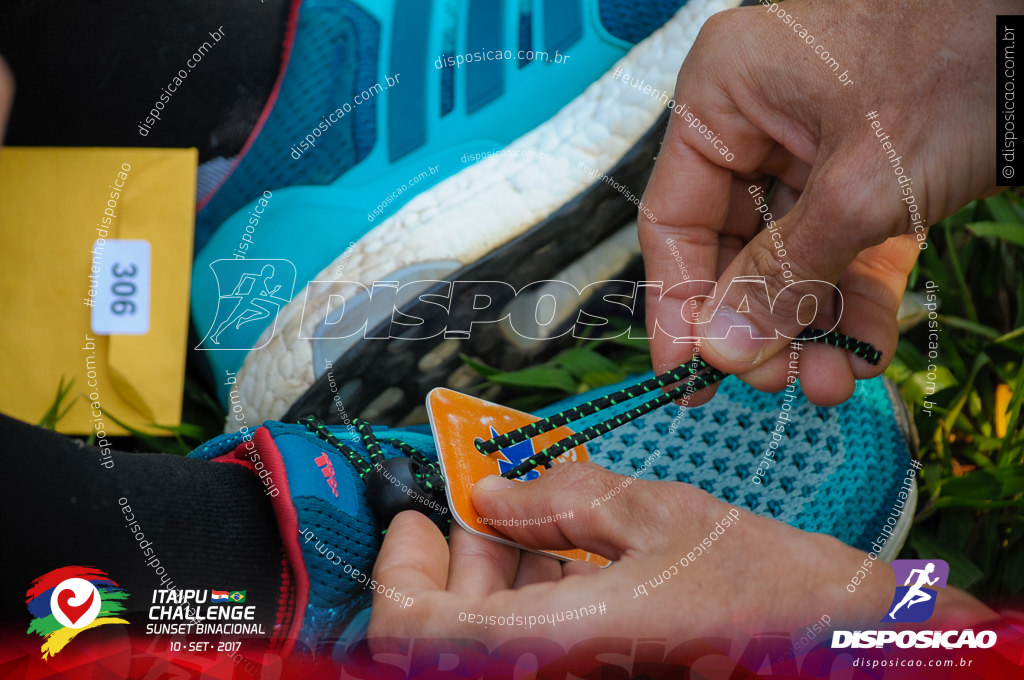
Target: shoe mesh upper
(334, 58)
(836, 470)
(633, 21)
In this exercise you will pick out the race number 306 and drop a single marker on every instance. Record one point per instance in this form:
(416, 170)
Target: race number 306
(123, 284)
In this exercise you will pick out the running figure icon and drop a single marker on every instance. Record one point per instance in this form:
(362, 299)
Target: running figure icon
(915, 594)
(255, 301)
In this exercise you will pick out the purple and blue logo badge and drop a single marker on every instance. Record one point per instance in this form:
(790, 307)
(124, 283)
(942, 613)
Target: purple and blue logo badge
(914, 600)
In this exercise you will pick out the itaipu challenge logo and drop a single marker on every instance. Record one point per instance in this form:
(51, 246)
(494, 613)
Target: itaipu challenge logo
(66, 601)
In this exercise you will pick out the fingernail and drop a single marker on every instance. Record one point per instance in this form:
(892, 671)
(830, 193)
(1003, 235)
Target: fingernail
(727, 333)
(494, 482)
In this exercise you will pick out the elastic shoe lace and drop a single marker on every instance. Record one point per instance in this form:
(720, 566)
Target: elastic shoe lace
(423, 477)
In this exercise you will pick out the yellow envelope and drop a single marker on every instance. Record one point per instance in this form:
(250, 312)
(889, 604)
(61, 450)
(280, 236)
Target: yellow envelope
(66, 217)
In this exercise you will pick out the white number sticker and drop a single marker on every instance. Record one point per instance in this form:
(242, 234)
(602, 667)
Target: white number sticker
(121, 305)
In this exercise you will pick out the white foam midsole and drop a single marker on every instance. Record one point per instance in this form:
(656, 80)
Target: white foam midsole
(482, 207)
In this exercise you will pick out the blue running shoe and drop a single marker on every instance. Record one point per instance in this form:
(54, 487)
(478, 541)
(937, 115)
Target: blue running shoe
(426, 175)
(317, 480)
(839, 471)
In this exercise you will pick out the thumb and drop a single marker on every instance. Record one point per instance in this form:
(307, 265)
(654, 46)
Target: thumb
(563, 509)
(775, 286)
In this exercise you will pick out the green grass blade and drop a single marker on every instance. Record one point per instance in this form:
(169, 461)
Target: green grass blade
(970, 326)
(479, 366)
(954, 259)
(1014, 233)
(54, 413)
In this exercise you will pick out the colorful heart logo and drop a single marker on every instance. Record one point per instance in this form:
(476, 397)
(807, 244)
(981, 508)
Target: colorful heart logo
(73, 612)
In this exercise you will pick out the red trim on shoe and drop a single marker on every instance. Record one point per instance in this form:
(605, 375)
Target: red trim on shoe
(233, 457)
(288, 524)
(286, 55)
(294, 594)
(285, 606)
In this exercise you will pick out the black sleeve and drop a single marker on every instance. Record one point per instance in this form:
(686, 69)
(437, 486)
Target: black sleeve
(208, 525)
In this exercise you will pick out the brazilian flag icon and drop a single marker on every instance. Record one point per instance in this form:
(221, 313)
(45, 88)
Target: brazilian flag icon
(237, 596)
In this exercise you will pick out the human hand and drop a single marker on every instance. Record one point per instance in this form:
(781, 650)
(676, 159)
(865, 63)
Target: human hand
(926, 68)
(758, 572)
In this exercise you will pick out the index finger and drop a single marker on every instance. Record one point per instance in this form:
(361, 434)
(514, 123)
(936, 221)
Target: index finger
(413, 560)
(688, 200)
